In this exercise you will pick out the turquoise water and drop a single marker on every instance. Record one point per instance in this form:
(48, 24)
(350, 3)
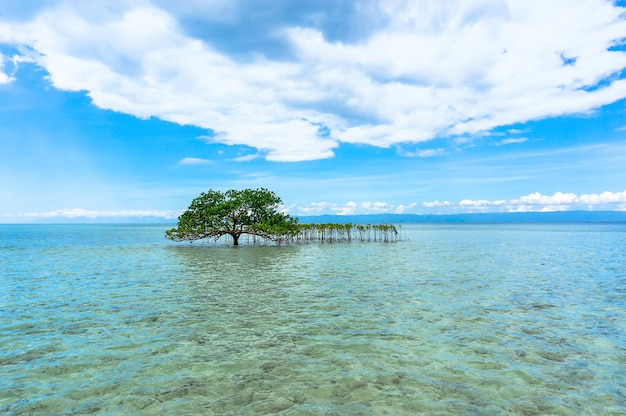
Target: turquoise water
(459, 319)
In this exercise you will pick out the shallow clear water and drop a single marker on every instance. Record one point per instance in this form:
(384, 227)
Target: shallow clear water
(460, 319)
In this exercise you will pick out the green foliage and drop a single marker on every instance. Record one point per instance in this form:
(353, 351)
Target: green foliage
(214, 214)
(254, 212)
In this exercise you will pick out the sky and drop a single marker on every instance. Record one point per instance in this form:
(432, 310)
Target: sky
(128, 109)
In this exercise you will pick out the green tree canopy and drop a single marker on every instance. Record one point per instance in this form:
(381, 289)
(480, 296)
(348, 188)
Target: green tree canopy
(214, 214)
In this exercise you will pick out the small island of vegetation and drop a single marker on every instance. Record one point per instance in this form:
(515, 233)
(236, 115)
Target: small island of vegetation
(255, 213)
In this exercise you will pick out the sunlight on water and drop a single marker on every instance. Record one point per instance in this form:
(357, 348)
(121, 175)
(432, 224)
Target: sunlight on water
(460, 319)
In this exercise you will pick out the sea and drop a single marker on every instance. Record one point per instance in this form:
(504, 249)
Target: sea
(454, 319)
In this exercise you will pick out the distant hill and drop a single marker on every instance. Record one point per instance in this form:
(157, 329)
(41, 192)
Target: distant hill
(501, 217)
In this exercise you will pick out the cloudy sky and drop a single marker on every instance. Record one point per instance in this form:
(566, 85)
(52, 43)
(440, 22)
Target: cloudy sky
(131, 108)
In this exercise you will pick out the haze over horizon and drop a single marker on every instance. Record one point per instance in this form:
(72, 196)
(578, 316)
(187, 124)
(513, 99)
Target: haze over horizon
(130, 109)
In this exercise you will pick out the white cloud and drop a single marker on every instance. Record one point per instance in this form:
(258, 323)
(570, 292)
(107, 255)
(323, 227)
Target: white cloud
(140, 63)
(424, 152)
(610, 201)
(347, 209)
(435, 69)
(350, 208)
(455, 52)
(517, 131)
(194, 161)
(246, 158)
(504, 142)
(561, 201)
(4, 77)
(401, 209)
(437, 204)
(534, 202)
(78, 213)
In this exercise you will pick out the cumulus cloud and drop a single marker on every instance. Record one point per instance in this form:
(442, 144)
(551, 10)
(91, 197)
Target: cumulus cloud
(566, 201)
(140, 63)
(536, 202)
(422, 70)
(351, 207)
(438, 204)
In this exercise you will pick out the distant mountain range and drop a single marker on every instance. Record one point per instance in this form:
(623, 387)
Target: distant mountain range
(501, 217)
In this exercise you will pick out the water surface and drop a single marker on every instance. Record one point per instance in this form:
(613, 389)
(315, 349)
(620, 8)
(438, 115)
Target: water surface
(459, 319)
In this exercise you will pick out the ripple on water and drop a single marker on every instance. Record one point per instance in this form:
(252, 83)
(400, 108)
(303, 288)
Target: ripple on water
(516, 319)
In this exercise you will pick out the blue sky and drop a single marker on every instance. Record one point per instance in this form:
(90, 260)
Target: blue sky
(129, 109)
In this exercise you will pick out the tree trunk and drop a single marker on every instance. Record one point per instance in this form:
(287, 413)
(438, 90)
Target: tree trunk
(235, 239)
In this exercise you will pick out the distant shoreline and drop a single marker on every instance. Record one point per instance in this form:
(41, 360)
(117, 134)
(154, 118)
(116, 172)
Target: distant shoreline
(474, 218)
